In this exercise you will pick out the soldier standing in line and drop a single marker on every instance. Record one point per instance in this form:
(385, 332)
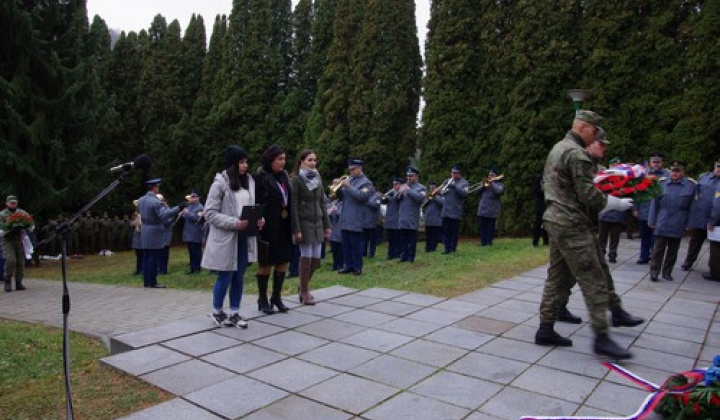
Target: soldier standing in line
(489, 207)
(455, 194)
(575, 254)
(371, 217)
(707, 184)
(668, 216)
(153, 214)
(612, 224)
(411, 196)
(432, 212)
(392, 208)
(641, 210)
(354, 193)
(192, 231)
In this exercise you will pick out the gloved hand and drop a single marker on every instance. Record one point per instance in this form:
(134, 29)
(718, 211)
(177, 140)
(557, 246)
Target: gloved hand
(614, 203)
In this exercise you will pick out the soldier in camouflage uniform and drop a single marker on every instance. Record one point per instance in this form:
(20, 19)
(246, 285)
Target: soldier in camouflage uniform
(575, 254)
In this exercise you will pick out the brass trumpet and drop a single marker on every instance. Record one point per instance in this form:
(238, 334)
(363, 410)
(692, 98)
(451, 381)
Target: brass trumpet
(442, 189)
(484, 183)
(335, 186)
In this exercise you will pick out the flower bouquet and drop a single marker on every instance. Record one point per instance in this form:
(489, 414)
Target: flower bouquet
(628, 182)
(18, 220)
(700, 399)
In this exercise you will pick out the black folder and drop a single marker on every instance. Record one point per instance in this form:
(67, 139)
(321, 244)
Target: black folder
(252, 214)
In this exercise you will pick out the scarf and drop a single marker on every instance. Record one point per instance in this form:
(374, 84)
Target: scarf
(310, 177)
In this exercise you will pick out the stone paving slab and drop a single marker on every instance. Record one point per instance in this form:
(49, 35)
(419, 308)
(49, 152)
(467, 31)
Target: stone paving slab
(385, 354)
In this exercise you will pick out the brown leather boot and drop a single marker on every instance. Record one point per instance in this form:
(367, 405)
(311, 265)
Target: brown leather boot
(305, 270)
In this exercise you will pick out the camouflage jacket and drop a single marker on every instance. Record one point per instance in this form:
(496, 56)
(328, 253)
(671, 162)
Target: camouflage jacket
(570, 195)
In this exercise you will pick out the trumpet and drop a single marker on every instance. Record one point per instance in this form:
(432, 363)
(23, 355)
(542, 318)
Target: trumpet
(484, 183)
(335, 187)
(442, 189)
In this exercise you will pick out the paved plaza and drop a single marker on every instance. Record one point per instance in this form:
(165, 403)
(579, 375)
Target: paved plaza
(382, 354)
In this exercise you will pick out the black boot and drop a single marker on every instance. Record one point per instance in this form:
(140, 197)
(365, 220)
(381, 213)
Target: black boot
(8, 288)
(606, 347)
(19, 285)
(620, 318)
(546, 336)
(263, 304)
(566, 316)
(278, 280)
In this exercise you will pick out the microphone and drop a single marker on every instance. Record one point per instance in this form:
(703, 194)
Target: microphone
(141, 162)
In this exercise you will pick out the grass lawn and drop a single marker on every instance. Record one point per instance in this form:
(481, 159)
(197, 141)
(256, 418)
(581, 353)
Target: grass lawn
(32, 381)
(31, 375)
(471, 268)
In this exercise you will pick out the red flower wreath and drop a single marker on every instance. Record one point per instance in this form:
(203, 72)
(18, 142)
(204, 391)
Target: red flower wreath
(628, 182)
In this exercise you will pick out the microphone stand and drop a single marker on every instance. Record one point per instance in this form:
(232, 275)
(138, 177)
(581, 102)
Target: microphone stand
(63, 229)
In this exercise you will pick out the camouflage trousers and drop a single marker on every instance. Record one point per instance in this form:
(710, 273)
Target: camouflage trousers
(576, 257)
(14, 260)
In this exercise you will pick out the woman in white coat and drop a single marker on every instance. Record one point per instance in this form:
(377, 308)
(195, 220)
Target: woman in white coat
(228, 251)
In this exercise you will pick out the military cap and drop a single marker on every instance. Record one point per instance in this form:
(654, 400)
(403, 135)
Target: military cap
(589, 117)
(677, 164)
(602, 136)
(397, 180)
(153, 182)
(233, 155)
(615, 160)
(411, 170)
(353, 163)
(194, 194)
(657, 154)
(456, 168)
(11, 198)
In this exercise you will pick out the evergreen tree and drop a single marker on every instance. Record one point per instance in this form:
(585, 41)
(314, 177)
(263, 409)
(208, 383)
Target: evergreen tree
(385, 96)
(328, 126)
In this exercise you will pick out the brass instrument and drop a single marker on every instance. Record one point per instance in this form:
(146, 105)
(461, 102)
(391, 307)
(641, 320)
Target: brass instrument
(442, 189)
(136, 221)
(484, 183)
(335, 187)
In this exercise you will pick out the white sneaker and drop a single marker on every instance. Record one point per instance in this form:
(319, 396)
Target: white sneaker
(219, 318)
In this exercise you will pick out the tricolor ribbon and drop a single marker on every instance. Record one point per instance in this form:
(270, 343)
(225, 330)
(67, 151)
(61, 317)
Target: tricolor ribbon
(646, 408)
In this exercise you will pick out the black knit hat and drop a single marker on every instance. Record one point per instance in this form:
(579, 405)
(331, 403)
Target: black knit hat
(233, 155)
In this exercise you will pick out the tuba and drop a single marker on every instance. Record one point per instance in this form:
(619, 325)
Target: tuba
(335, 187)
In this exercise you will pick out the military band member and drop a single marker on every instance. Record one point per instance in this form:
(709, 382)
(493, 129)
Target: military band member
(193, 231)
(372, 219)
(153, 214)
(432, 215)
(707, 184)
(489, 207)
(668, 216)
(136, 226)
(411, 197)
(641, 210)
(392, 209)
(355, 192)
(455, 194)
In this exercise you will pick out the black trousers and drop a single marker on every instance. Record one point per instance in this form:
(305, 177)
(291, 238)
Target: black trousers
(612, 231)
(697, 237)
(664, 255)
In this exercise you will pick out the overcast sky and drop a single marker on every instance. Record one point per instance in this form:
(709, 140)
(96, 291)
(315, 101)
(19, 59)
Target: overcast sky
(134, 15)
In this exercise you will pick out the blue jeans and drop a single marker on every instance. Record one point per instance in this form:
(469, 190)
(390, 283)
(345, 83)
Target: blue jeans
(234, 279)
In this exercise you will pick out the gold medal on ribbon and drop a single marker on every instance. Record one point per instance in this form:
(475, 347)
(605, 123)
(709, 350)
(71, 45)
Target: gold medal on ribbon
(284, 214)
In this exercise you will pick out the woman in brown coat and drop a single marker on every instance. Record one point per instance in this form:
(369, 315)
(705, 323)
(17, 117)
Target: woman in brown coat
(309, 219)
(272, 188)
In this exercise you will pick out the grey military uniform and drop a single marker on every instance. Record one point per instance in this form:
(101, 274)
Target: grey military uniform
(409, 210)
(454, 199)
(354, 198)
(153, 215)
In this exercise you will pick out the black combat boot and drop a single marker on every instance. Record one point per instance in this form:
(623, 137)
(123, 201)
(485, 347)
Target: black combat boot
(278, 280)
(566, 316)
(620, 318)
(606, 347)
(263, 304)
(546, 336)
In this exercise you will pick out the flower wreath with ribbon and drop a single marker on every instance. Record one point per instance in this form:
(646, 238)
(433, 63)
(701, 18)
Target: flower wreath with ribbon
(629, 181)
(690, 395)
